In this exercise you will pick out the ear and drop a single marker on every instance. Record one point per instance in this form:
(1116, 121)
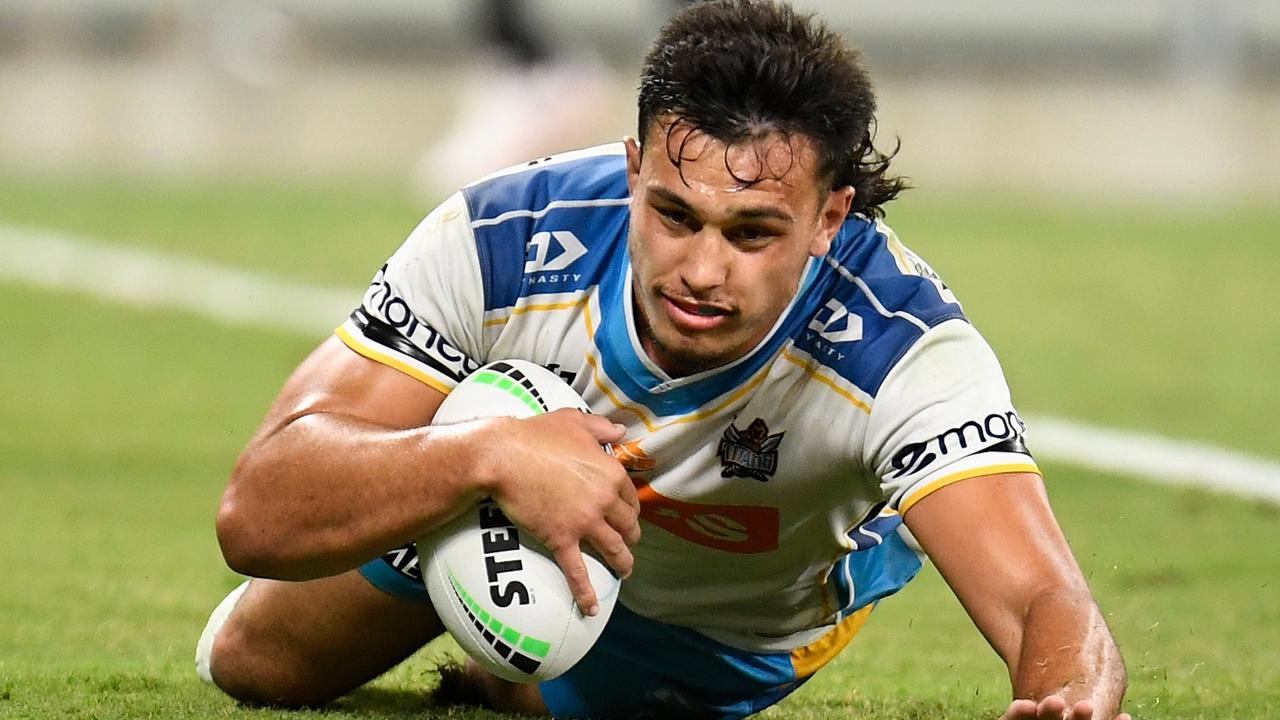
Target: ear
(830, 217)
(633, 162)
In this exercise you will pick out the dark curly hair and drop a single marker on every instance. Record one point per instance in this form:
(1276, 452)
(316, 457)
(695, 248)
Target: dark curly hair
(740, 70)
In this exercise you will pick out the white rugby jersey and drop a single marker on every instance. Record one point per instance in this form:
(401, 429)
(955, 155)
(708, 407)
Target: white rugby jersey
(772, 488)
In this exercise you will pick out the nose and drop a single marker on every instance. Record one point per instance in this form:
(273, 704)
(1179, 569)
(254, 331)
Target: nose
(706, 265)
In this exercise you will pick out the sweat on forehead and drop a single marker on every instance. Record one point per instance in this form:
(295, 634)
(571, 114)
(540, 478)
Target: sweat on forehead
(758, 154)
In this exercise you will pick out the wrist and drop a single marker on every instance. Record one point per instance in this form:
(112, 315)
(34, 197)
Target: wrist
(472, 452)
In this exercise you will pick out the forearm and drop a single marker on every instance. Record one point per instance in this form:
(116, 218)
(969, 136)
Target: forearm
(1066, 649)
(326, 492)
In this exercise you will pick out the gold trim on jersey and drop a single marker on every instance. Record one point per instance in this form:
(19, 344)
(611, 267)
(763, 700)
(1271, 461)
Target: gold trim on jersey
(643, 413)
(646, 417)
(809, 659)
(389, 360)
(809, 369)
(542, 307)
(946, 480)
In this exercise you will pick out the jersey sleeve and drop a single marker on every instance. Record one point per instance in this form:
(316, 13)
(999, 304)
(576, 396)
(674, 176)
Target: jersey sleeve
(944, 414)
(423, 312)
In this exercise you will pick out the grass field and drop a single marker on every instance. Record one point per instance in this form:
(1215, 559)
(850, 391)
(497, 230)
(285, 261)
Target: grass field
(119, 427)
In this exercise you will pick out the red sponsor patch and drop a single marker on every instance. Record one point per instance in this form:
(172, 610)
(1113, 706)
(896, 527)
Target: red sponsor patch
(742, 529)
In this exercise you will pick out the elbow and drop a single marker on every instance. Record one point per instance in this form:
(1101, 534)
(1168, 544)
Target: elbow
(259, 539)
(239, 538)
(247, 535)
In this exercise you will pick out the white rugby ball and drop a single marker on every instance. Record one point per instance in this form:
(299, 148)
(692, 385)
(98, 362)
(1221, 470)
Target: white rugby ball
(499, 592)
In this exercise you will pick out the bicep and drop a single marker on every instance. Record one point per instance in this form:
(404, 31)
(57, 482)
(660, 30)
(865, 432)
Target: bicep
(335, 379)
(998, 545)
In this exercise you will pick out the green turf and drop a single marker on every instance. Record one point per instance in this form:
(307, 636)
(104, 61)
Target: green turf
(316, 232)
(1157, 318)
(119, 427)
(1145, 317)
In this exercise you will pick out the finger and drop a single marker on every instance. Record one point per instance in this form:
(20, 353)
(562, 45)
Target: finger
(605, 431)
(627, 492)
(569, 558)
(631, 534)
(613, 549)
(1020, 710)
(1124, 716)
(1051, 707)
(1082, 710)
(624, 519)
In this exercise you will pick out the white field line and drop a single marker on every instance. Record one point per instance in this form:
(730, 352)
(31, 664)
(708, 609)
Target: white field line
(153, 280)
(1154, 457)
(147, 279)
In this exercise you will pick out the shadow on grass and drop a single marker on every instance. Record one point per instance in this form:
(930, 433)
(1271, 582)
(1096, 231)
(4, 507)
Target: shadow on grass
(386, 702)
(396, 703)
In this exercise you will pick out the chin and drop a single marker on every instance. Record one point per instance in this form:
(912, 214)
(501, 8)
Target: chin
(685, 358)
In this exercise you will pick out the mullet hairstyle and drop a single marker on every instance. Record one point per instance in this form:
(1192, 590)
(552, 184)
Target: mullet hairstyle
(741, 70)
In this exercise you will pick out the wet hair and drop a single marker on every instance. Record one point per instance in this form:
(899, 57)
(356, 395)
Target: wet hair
(740, 71)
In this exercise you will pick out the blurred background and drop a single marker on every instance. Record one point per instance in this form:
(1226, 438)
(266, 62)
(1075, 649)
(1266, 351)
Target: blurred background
(1149, 97)
(193, 193)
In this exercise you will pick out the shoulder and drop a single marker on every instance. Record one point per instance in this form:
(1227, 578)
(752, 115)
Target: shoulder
(553, 220)
(876, 299)
(885, 274)
(594, 174)
(944, 414)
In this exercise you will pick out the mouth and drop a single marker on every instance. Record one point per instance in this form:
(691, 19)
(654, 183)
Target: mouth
(694, 315)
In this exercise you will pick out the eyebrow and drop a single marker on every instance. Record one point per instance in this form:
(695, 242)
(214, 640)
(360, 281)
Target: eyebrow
(757, 212)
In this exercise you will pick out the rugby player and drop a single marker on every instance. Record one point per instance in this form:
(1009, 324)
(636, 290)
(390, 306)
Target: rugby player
(800, 412)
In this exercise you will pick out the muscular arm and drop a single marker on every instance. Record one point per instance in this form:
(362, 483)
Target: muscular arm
(345, 466)
(999, 547)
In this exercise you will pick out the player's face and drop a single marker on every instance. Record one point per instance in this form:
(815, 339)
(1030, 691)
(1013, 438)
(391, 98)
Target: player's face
(716, 261)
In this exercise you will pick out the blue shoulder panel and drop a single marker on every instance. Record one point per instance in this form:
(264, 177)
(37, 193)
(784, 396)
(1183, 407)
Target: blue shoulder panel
(549, 228)
(871, 313)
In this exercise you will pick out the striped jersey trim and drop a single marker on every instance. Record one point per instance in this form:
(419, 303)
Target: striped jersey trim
(381, 356)
(651, 421)
(918, 495)
(541, 212)
(813, 369)
(871, 296)
(503, 316)
(809, 659)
